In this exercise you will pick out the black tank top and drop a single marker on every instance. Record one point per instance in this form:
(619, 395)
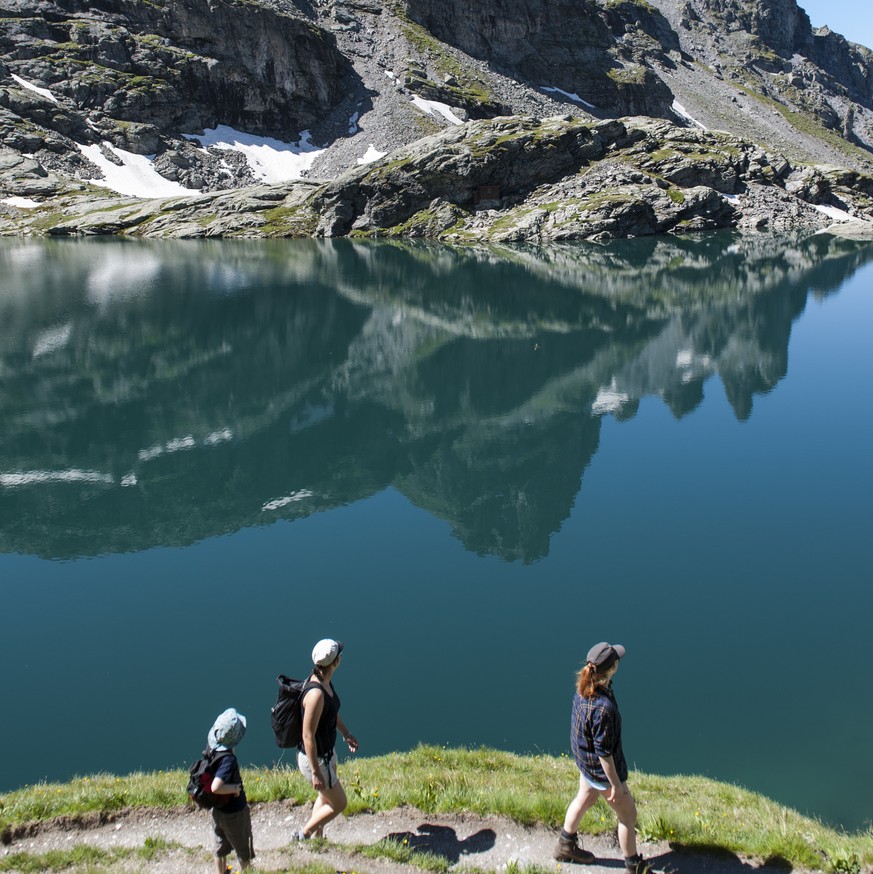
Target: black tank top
(325, 731)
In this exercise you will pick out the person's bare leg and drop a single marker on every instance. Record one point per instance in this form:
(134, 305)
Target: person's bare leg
(626, 810)
(584, 800)
(317, 811)
(329, 805)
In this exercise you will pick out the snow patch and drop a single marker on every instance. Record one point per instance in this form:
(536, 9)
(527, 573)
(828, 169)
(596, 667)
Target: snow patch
(13, 479)
(609, 400)
(271, 160)
(177, 444)
(293, 498)
(182, 444)
(372, 154)
(52, 339)
(136, 177)
(550, 89)
(680, 110)
(122, 276)
(20, 202)
(43, 92)
(838, 215)
(353, 124)
(434, 107)
(217, 437)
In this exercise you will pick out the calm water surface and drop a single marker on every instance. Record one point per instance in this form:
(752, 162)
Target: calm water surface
(469, 467)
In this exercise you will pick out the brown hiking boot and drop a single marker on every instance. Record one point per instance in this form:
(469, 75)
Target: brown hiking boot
(638, 865)
(569, 851)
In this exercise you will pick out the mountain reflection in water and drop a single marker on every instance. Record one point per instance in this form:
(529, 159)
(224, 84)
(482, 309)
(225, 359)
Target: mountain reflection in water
(159, 394)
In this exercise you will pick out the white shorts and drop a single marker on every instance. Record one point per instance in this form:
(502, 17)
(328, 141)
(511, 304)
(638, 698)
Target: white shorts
(327, 768)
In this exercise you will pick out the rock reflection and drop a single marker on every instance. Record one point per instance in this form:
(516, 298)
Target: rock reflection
(158, 394)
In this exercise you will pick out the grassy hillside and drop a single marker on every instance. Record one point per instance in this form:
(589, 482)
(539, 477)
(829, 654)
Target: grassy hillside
(686, 811)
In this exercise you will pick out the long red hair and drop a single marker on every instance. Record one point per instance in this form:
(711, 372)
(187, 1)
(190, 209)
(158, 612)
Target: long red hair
(589, 678)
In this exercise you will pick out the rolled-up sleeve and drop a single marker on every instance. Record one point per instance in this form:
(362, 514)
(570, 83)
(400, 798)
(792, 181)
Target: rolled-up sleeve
(603, 731)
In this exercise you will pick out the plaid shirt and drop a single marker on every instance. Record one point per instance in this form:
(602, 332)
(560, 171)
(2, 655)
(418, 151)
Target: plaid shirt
(595, 733)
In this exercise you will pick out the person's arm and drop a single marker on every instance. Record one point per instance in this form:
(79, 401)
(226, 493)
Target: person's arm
(349, 738)
(219, 787)
(604, 743)
(615, 785)
(313, 705)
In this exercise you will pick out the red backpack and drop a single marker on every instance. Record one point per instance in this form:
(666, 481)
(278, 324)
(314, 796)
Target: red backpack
(202, 773)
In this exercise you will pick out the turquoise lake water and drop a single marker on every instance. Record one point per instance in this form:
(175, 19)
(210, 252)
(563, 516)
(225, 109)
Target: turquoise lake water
(470, 466)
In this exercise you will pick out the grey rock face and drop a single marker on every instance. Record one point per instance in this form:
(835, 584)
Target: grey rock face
(567, 44)
(368, 77)
(177, 67)
(506, 180)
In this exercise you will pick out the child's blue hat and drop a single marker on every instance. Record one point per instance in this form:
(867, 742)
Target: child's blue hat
(227, 731)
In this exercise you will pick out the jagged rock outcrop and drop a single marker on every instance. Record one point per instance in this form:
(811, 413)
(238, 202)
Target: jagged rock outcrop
(767, 50)
(134, 72)
(562, 43)
(507, 179)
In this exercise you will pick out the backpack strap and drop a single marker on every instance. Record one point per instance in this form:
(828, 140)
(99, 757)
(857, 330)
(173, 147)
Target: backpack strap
(308, 686)
(312, 684)
(212, 755)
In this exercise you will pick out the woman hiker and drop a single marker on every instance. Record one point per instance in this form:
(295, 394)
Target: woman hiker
(317, 758)
(595, 736)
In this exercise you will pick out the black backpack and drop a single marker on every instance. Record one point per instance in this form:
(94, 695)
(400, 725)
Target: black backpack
(287, 714)
(202, 773)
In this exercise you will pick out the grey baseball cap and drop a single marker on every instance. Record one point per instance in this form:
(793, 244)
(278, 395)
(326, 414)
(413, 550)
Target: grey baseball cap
(605, 655)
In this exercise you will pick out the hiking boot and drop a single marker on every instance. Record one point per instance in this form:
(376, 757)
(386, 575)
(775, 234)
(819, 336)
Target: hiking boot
(570, 851)
(638, 865)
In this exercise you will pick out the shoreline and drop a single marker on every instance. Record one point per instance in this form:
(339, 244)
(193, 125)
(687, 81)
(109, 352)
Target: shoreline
(678, 814)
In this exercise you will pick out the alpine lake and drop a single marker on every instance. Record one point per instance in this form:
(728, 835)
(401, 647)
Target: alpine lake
(469, 465)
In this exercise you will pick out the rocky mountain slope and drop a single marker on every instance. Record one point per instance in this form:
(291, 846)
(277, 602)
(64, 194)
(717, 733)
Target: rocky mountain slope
(544, 119)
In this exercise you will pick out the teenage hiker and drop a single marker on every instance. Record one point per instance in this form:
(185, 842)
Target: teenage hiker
(317, 757)
(595, 737)
(231, 821)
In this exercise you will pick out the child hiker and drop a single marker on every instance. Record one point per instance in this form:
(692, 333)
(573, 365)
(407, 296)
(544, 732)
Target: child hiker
(231, 821)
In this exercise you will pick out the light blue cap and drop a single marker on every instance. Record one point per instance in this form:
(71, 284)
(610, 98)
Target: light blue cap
(227, 731)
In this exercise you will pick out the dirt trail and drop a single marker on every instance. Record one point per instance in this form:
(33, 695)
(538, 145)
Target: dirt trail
(464, 840)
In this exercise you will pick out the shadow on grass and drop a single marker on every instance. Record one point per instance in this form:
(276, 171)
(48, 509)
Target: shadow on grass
(443, 841)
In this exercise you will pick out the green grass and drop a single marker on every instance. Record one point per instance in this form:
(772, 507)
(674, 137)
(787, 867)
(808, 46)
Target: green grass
(688, 811)
(83, 855)
(400, 851)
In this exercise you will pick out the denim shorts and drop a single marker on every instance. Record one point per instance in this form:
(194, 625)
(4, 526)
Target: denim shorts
(327, 766)
(593, 783)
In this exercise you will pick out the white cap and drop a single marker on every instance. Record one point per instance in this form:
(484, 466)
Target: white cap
(326, 652)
